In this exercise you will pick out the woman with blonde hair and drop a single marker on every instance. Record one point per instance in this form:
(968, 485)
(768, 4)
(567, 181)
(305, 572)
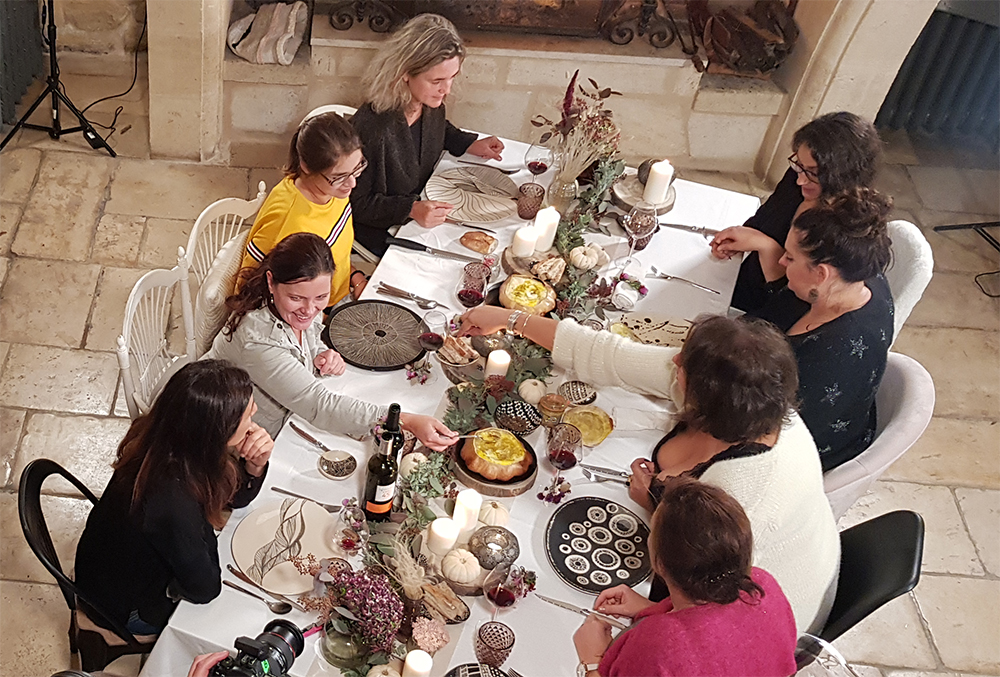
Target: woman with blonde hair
(403, 128)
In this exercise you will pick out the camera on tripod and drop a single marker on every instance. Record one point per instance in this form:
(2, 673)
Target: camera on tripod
(272, 653)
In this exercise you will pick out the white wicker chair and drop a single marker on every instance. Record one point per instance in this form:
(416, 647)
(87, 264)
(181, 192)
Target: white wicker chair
(911, 270)
(145, 358)
(905, 404)
(217, 224)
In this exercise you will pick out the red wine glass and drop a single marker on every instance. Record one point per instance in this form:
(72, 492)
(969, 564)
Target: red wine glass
(565, 446)
(498, 589)
(639, 224)
(471, 288)
(537, 159)
(433, 331)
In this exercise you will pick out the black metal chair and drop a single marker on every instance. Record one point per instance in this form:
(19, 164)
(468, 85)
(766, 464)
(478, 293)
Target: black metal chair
(96, 645)
(879, 561)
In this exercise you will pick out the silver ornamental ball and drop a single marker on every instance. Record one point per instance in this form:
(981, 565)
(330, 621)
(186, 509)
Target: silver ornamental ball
(494, 546)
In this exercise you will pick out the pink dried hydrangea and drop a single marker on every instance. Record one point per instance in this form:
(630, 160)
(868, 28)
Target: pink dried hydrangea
(430, 635)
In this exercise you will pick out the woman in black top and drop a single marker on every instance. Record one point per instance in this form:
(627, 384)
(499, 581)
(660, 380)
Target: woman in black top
(150, 541)
(834, 153)
(403, 129)
(837, 311)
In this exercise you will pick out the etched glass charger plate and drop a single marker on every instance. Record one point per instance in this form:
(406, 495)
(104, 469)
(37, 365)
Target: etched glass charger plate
(479, 194)
(375, 335)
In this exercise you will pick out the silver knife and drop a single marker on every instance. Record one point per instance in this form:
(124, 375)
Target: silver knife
(607, 471)
(278, 596)
(610, 620)
(470, 225)
(326, 506)
(701, 230)
(416, 246)
(307, 437)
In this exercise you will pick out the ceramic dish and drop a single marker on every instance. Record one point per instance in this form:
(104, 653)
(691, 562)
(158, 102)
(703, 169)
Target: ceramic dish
(479, 194)
(336, 465)
(265, 539)
(375, 335)
(593, 422)
(659, 331)
(594, 543)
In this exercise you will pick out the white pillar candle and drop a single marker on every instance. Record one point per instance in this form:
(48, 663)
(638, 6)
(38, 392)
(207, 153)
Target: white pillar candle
(442, 536)
(417, 664)
(497, 364)
(524, 242)
(546, 222)
(660, 176)
(467, 505)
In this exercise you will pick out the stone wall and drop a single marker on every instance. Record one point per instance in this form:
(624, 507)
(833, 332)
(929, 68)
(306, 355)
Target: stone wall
(99, 26)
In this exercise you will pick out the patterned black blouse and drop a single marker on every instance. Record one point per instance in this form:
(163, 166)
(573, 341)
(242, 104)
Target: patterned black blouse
(840, 368)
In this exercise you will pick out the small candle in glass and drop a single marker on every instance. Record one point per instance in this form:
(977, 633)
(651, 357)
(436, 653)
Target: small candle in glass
(497, 364)
(552, 407)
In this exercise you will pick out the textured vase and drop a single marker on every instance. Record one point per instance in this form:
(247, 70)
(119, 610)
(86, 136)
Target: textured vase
(338, 648)
(561, 194)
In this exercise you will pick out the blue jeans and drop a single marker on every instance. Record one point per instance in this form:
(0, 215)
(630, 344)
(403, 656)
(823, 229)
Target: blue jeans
(137, 626)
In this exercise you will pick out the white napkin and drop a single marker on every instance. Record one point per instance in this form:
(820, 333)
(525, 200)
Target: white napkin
(641, 419)
(624, 297)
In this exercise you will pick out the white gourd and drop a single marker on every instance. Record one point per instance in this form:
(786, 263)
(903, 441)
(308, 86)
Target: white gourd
(531, 390)
(583, 257)
(409, 462)
(460, 566)
(494, 514)
(602, 256)
(382, 671)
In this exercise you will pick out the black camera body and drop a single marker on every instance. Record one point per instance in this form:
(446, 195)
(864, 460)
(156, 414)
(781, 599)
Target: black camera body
(270, 654)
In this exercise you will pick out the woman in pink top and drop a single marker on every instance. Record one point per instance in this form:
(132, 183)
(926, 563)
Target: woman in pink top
(723, 617)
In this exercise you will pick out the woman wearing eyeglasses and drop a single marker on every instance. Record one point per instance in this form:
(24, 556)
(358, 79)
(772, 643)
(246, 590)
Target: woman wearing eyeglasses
(834, 153)
(324, 161)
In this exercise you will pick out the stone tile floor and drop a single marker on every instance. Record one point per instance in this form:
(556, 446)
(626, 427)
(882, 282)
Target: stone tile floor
(77, 228)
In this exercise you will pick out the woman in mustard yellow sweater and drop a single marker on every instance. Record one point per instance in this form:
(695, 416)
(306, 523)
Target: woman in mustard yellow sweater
(324, 161)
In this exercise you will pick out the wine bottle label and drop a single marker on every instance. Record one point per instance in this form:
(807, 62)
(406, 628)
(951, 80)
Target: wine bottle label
(377, 508)
(384, 493)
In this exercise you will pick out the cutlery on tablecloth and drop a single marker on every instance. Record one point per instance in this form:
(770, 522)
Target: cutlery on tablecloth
(594, 477)
(665, 276)
(607, 471)
(309, 438)
(470, 225)
(610, 620)
(508, 172)
(279, 608)
(418, 247)
(249, 581)
(700, 230)
(326, 506)
(389, 290)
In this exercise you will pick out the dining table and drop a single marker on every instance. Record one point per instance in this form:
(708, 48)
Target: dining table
(543, 633)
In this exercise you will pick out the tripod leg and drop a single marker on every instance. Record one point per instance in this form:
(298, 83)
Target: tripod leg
(24, 118)
(89, 133)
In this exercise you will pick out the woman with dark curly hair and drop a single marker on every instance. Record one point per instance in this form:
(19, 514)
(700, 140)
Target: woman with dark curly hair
(837, 311)
(723, 616)
(834, 153)
(734, 383)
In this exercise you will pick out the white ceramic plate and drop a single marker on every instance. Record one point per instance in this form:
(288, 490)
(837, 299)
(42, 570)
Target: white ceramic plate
(657, 330)
(479, 194)
(266, 538)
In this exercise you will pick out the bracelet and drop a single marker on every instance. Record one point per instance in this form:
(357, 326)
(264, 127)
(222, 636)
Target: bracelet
(512, 321)
(524, 325)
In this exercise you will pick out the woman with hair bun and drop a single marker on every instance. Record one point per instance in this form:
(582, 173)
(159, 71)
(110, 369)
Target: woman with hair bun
(324, 162)
(723, 616)
(837, 312)
(274, 333)
(834, 153)
(404, 130)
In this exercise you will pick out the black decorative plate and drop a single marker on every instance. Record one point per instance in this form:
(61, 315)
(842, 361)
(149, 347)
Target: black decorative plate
(594, 543)
(375, 335)
(475, 670)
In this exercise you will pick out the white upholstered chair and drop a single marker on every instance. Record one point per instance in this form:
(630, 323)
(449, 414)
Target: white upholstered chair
(904, 404)
(146, 359)
(210, 312)
(910, 272)
(217, 224)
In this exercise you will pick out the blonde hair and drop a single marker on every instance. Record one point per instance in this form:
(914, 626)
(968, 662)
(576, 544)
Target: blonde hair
(425, 41)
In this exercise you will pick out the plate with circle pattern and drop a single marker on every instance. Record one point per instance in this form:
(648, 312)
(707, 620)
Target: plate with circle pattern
(607, 544)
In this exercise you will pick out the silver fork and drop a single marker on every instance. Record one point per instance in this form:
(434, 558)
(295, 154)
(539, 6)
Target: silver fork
(594, 477)
(666, 276)
(483, 164)
(426, 304)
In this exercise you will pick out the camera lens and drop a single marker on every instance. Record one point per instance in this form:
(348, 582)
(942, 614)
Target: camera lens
(287, 641)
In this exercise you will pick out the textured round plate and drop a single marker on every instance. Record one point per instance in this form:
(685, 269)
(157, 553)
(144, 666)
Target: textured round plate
(479, 194)
(265, 539)
(475, 670)
(375, 335)
(658, 331)
(593, 422)
(594, 543)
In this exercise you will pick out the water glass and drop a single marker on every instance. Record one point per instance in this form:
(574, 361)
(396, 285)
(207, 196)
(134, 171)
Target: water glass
(494, 642)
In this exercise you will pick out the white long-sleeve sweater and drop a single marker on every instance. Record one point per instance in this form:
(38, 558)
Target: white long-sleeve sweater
(795, 535)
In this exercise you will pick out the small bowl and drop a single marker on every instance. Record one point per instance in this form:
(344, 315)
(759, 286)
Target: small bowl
(460, 373)
(336, 465)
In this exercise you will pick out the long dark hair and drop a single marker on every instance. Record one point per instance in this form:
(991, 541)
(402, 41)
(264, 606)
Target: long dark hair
(701, 539)
(185, 436)
(741, 378)
(319, 143)
(300, 256)
(848, 231)
(846, 148)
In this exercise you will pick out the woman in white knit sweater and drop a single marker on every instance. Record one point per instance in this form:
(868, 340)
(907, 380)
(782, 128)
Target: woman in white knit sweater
(734, 383)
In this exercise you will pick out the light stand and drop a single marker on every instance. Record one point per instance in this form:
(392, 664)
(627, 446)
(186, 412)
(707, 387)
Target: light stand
(95, 140)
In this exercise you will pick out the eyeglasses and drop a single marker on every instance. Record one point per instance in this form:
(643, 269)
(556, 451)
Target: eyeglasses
(338, 180)
(793, 162)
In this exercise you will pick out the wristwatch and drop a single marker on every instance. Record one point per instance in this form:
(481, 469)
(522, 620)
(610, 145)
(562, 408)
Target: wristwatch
(585, 668)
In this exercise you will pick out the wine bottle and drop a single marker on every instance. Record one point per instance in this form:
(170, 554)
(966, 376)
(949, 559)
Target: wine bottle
(392, 428)
(380, 484)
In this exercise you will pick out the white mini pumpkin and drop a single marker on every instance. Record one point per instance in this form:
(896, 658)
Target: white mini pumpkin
(583, 257)
(409, 462)
(382, 671)
(494, 514)
(460, 566)
(602, 256)
(531, 390)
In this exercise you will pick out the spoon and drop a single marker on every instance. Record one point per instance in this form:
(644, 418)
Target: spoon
(594, 477)
(279, 608)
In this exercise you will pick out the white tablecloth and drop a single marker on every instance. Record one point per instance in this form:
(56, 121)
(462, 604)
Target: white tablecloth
(543, 633)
